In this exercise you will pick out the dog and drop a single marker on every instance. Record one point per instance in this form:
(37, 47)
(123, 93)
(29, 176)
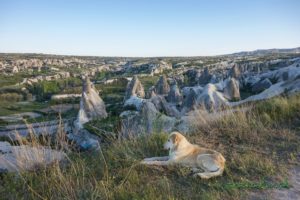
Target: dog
(181, 152)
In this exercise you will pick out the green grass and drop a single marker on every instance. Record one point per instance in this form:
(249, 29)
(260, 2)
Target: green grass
(258, 151)
(8, 108)
(11, 80)
(148, 81)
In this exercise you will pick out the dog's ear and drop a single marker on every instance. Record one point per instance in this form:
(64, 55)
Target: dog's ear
(175, 138)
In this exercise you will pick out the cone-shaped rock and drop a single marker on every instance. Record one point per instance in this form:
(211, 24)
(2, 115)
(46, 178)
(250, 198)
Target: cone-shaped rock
(235, 72)
(174, 95)
(134, 88)
(91, 104)
(190, 101)
(232, 90)
(162, 86)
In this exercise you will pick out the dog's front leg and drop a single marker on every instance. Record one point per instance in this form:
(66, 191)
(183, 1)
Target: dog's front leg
(156, 162)
(163, 158)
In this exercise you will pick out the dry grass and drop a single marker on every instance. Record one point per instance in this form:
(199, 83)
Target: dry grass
(259, 146)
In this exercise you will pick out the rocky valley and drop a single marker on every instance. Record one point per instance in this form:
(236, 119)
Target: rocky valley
(73, 104)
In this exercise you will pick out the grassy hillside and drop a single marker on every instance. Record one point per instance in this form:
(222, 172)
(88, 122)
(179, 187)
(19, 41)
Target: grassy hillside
(259, 145)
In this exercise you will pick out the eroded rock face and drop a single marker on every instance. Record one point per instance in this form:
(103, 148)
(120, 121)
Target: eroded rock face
(134, 123)
(134, 88)
(162, 86)
(261, 85)
(133, 103)
(190, 100)
(27, 158)
(232, 89)
(235, 72)
(174, 95)
(151, 92)
(205, 77)
(211, 99)
(192, 76)
(163, 106)
(91, 104)
(207, 98)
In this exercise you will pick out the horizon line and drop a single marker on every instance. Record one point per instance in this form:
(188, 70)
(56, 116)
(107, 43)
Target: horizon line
(85, 55)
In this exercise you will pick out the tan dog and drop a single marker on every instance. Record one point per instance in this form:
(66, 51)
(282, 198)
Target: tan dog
(184, 153)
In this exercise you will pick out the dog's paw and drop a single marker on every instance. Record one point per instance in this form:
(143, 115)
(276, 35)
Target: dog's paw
(144, 162)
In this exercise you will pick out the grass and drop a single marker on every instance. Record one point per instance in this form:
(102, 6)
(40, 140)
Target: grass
(148, 81)
(259, 145)
(8, 108)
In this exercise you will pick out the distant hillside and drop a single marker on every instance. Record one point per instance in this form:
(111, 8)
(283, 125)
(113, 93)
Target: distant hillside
(262, 52)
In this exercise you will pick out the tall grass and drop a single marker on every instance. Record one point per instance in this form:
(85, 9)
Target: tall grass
(259, 145)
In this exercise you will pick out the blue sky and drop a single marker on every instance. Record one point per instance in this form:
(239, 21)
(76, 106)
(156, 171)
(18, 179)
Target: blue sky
(147, 27)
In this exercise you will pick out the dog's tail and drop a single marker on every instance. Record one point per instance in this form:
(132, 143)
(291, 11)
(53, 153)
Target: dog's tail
(207, 175)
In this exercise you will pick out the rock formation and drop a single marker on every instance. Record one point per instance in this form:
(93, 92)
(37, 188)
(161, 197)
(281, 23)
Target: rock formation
(174, 95)
(235, 72)
(210, 99)
(151, 92)
(190, 100)
(232, 89)
(91, 104)
(25, 158)
(192, 76)
(134, 88)
(166, 110)
(261, 85)
(162, 86)
(205, 77)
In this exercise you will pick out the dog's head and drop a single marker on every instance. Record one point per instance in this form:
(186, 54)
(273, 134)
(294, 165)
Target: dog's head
(173, 141)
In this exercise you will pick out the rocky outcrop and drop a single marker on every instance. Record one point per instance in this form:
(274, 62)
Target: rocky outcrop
(134, 123)
(91, 104)
(289, 87)
(160, 67)
(235, 72)
(133, 103)
(207, 98)
(151, 92)
(152, 68)
(27, 158)
(148, 116)
(261, 85)
(134, 88)
(162, 86)
(189, 100)
(211, 99)
(205, 77)
(163, 106)
(174, 95)
(84, 140)
(232, 89)
(192, 77)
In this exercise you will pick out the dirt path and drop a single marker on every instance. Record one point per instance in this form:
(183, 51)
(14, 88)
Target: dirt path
(293, 193)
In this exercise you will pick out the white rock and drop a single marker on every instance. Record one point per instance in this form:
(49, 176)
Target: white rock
(25, 158)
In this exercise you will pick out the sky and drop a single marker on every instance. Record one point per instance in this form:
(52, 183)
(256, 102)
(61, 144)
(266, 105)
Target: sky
(147, 27)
